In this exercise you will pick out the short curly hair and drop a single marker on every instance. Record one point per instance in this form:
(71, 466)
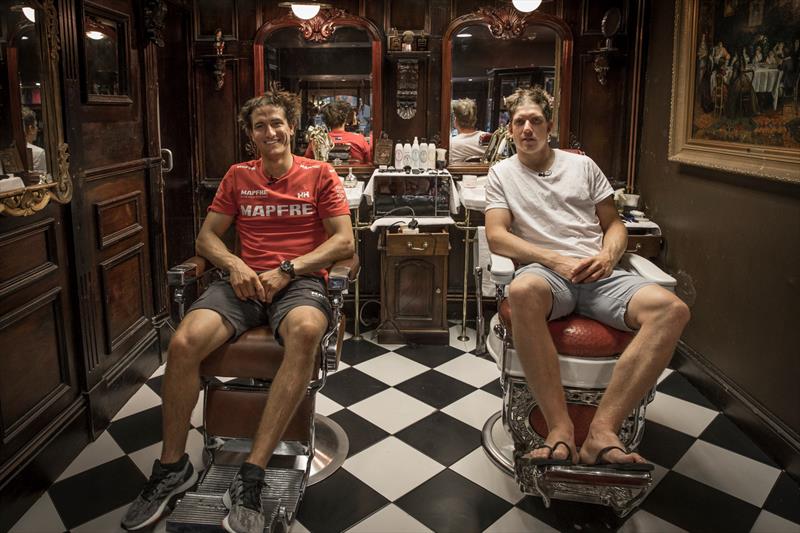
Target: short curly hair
(289, 102)
(530, 95)
(336, 113)
(466, 112)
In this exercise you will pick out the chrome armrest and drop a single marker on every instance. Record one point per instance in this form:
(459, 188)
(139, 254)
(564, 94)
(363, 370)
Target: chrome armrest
(501, 269)
(636, 264)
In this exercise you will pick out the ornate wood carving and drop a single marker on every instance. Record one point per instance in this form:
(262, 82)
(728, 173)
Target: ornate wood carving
(407, 88)
(504, 22)
(320, 28)
(154, 13)
(219, 63)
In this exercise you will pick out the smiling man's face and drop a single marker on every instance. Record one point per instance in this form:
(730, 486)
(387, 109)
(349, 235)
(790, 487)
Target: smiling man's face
(271, 132)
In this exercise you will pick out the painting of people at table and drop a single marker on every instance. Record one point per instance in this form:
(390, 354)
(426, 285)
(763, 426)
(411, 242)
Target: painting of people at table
(747, 76)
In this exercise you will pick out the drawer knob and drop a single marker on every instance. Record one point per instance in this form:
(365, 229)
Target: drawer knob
(418, 249)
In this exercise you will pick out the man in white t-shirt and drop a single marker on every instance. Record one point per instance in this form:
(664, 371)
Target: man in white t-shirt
(467, 143)
(552, 212)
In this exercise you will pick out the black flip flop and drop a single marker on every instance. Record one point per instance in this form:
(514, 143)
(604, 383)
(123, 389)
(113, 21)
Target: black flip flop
(600, 461)
(549, 460)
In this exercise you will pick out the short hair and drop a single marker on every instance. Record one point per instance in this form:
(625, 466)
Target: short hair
(530, 95)
(336, 113)
(28, 117)
(466, 112)
(289, 102)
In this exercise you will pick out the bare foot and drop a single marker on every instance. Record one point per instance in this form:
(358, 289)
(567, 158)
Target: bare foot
(596, 442)
(556, 451)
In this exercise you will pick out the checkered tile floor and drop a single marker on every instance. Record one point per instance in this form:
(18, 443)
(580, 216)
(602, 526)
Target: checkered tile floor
(413, 415)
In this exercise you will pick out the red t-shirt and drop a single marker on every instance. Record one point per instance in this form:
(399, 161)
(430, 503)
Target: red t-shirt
(280, 219)
(359, 149)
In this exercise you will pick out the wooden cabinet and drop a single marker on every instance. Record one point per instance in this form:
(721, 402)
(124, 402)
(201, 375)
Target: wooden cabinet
(648, 246)
(414, 288)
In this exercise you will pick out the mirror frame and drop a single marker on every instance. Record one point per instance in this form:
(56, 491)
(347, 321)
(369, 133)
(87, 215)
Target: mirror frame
(507, 23)
(320, 29)
(35, 197)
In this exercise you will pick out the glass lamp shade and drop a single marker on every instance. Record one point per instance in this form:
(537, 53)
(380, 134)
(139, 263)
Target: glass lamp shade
(526, 6)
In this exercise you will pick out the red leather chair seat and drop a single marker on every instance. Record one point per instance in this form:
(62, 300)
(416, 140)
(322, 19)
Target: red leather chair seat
(578, 336)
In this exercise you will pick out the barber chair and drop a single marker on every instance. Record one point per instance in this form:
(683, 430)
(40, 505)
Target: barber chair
(312, 447)
(587, 352)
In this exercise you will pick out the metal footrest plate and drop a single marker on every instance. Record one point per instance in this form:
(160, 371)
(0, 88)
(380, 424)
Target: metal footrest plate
(203, 510)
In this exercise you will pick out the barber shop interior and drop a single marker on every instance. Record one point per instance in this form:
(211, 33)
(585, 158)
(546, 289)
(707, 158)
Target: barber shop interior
(399, 266)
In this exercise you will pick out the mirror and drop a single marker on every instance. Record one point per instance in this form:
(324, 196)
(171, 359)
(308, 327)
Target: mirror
(489, 54)
(333, 58)
(33, 157)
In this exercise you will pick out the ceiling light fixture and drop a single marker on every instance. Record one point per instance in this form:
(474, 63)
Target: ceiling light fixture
(95, 35)
(304, 10)
(463, 35)
(29, 13)
(526, 6)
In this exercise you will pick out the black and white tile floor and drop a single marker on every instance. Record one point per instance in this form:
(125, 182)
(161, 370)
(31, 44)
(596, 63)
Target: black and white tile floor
(413, 415)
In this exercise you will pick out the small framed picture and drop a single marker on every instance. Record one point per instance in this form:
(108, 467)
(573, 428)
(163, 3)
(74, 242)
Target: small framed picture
(395, 43)
(421, 43)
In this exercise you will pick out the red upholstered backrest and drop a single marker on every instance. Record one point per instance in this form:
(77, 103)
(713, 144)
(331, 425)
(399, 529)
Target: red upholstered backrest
(578, 336)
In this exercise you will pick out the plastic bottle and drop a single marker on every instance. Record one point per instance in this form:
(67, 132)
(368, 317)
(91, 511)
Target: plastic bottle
(350, 180)
(406, 155)
(398, 155)
(415, 154)
(423, 155)
(431, 155)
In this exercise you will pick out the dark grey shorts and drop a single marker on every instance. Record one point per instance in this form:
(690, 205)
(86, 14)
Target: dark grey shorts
(243, 315)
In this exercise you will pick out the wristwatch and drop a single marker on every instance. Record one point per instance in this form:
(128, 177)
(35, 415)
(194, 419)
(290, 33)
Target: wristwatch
(288, 267)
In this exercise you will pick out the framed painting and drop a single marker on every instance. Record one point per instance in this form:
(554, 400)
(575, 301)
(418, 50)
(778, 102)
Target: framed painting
(736, 86)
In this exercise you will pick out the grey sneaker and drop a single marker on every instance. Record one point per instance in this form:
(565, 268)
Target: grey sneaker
(243, 499)
(151, 502)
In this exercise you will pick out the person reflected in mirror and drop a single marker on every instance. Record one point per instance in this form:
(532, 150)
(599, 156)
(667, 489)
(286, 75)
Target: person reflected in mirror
(292, 221)
(31, 128)
(335, 115)
(552, 212)
(466, 144)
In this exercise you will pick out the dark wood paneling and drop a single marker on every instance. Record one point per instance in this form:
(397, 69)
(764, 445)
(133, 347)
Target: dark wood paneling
(216, 120)
(123, 295)
(409, 15)
(212, 14)
(118, 218)
(27, 255)
(592, 12)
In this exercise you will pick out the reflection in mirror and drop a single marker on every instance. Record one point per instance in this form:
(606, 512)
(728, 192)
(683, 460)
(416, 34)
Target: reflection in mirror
(33, 157)
(485, 70)
(334, 81)
(101, 43)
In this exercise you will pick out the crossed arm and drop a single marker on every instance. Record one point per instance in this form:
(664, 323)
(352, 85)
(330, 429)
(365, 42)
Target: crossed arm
(583, 270)
(245, 282)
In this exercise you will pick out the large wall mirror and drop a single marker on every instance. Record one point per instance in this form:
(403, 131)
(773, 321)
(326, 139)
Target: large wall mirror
(331, 57)
(486, 56)
(31, 139)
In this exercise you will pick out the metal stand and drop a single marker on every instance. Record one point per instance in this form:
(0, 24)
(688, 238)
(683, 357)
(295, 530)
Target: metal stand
(357, 227)
(330, 448)
(468, 240)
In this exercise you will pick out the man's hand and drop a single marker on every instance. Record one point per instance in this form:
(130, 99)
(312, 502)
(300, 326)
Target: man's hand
(245, 282)
(592, 269)
(272, 281)
(565, 266)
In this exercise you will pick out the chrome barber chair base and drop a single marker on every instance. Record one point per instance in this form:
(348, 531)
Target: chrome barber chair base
(330, 448)
(497, 443)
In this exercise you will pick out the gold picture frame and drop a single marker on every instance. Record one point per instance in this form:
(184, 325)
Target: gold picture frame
(750, 127)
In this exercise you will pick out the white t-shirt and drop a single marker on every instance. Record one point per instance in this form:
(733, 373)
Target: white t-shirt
(466, 145)
(39, 160)
(556, 212)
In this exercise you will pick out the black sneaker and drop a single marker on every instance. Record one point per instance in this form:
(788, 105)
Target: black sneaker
(243, 499)
(162, 485)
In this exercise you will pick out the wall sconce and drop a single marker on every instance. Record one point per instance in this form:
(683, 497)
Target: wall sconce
(526, 6)
(612, 20)
(304, 10)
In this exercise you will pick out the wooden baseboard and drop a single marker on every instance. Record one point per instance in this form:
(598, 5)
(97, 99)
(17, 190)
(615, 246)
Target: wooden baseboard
(767, 431)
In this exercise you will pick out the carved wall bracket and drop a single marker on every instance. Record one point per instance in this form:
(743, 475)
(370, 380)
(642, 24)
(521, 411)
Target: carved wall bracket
(320, 28)
(504, 22)
(407, 88)
(219, 62)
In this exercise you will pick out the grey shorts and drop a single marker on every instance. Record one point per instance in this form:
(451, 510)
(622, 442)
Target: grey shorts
(243, 315)
(605, 300)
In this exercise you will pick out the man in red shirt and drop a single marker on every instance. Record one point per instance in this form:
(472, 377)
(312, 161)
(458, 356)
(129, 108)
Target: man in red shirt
(334, 115)
(293, 220)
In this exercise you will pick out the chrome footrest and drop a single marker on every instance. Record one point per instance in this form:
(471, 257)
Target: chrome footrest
(622, 491)
(203, 510)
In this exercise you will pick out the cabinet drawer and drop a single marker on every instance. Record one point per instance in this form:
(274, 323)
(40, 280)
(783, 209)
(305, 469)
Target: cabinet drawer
(644, 245)
(404, 244)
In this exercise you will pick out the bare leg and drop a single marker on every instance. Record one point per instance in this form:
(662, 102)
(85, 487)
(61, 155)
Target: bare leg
(302, 330)
(531, 299)
(660, 317)
(200, 332)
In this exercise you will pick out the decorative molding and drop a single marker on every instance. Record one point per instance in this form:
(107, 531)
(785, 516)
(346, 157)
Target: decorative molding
(22, 237)
(407, 88)
(504, 22)
(320, 28)
(154, 13)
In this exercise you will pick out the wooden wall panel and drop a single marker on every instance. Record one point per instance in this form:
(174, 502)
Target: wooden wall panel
(212, 14)
(118, 218)
(217, 127)
(26, 256)
(123, 295)
(408, 15)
